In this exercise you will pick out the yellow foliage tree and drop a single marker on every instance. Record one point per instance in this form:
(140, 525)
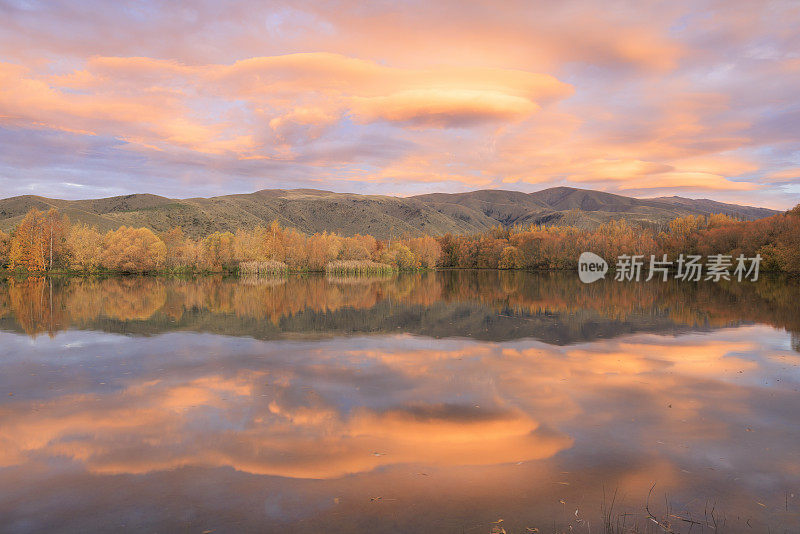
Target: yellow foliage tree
(426, 249)
(294, 248)
(716, 220)
(27, 250)
(84, 247)
(321, 249)
(181, 250)
(400, 256)
(133, 250)
(38, 243)
(218, 251)
(56, 228)
(253, 245)
(4, 246)
(355, 248)
(510, 258)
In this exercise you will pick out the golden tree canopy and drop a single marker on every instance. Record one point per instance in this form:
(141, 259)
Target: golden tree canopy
(133, 250)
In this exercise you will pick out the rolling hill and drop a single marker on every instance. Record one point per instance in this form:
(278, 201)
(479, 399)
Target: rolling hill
(382, 216)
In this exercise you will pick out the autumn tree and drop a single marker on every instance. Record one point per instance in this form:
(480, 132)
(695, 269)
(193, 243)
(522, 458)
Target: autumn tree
(683, 233)
(84, 247)
(449, 251)
(133, 250)
(180, 250)
(251, 245)
(56, 227)
(39, 241)
(715, 220)
(218, 251)
(788, 242)
(356, 248)
(426, 250)
(400, 256)
(510, 258)
(5, 242)
(276, 242)
(295, 252)
(28, 245)
(322, 248)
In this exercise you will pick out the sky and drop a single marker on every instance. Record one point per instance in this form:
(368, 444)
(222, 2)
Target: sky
(201, 98)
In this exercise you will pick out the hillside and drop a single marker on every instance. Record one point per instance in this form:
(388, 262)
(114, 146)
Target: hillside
(382, 216)
(579, 207)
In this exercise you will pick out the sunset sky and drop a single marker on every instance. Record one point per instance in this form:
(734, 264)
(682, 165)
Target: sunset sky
(689, 98)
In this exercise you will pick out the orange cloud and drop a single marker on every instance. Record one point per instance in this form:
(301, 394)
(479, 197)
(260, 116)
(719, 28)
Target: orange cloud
(443, 108)
(528, 94)
(156, 103)
(690, 180)
(617, 170)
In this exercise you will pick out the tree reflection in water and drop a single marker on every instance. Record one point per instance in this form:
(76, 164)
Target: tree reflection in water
(492, 305)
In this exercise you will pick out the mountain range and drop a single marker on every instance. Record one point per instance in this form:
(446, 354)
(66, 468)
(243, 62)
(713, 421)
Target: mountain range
(312, 210)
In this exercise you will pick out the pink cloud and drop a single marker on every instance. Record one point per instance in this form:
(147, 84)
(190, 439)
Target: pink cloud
(620, 97)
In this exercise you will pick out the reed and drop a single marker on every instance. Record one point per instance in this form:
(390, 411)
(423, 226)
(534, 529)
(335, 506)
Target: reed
(358, 267)
(269, 267)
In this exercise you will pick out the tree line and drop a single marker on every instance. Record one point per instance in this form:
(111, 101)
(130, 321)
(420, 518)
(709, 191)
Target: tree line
(46, 241)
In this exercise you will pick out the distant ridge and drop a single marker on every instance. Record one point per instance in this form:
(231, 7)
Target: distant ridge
(312, 210)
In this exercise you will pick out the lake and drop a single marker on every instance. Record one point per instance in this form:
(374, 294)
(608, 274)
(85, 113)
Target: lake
(455, 401)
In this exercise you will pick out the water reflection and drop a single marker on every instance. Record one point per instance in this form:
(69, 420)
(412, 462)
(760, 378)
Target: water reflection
(288, 427)
(555, 308)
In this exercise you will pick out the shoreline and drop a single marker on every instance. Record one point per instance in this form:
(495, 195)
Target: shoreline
(7, 274)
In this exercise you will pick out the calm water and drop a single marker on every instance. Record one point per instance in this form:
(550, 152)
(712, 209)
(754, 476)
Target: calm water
(440, 402)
